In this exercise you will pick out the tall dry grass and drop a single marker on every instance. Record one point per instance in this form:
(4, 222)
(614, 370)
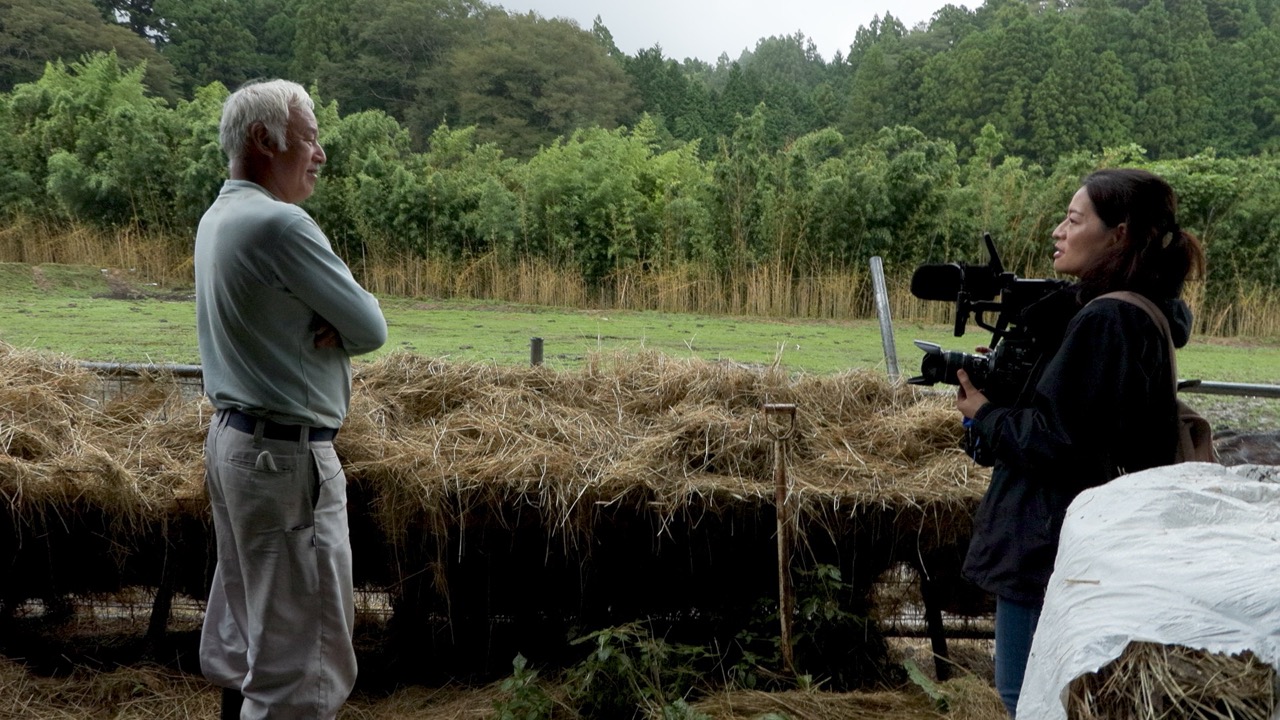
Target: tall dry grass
(159, 257)
(1247, 311)
(768, 290)
(771, 289)
(529, 280)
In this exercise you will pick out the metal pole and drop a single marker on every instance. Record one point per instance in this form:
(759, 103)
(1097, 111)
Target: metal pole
(886, 322)
(781, 494)
(137, 369)
(535, 351)
(1206, 387)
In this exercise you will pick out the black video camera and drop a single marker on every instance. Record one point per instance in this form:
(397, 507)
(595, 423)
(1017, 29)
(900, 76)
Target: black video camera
(1002, 372)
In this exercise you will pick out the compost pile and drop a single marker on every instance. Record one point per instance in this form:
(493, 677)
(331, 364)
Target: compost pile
(517, 500)
(1150, 680)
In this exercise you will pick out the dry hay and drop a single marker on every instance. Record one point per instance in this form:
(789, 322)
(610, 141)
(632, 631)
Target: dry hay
(972, 698)
(154, 692)
(130, 693)
(1150, 681)
(966, 698)
(132, 457)
(646, 430)
(801, 705)
(676, 428)
(92, 485)
(434, 447)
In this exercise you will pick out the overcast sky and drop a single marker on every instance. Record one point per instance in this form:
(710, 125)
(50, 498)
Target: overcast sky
(706, 28)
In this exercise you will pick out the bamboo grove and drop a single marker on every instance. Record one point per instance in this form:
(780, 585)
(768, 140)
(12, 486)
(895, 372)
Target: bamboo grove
(456, 131)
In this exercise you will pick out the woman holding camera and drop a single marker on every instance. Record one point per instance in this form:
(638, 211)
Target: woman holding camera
(1098, 404)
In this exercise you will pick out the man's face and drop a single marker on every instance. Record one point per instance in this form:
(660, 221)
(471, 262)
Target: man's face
(294, 170)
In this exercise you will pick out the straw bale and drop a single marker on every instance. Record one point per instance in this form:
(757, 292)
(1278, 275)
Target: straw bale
(435, 449)
(681, 429)
(128, 457)
(1150, 681)
(41, 398)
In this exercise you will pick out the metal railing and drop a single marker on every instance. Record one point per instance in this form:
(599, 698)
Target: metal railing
(127, 370)
(139, 369)
(1205, 387)
(1209, 387)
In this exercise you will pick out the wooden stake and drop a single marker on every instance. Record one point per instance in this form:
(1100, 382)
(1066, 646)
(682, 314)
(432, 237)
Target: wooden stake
(782, 492)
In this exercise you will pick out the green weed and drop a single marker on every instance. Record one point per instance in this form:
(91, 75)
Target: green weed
(630, 673)
(524, 698)
(826, 633)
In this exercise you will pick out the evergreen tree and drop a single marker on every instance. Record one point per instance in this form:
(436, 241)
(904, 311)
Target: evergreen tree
(668, 94)
(137, 15)
(528, 80)
(1085, 103)
(210, 40)
(36, 32)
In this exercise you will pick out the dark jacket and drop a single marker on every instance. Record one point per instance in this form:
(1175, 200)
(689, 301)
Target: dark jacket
(1101, 405)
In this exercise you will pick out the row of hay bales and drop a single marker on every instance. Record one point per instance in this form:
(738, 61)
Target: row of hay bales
(500, 507)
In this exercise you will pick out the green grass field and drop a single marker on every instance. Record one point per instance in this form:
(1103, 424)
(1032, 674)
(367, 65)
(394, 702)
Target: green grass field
(92, 314)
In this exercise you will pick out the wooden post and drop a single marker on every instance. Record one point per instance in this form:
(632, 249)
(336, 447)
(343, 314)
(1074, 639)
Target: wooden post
(933, 620)
(781, 495)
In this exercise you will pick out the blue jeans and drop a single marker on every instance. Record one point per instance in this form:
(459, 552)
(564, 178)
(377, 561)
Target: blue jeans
(1015, 626)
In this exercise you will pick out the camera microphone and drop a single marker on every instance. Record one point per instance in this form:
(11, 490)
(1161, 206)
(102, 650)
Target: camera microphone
(937, 282)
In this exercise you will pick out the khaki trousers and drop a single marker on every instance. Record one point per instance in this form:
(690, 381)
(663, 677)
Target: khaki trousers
(279, 620)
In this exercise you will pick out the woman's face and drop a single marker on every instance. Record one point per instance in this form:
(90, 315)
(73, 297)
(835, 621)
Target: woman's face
(1082, 240)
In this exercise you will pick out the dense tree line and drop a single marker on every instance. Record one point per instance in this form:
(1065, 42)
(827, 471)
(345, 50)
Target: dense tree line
(89, 144)
(456, 129)
(1176, 77)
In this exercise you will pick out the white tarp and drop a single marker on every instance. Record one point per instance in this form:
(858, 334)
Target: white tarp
(1182, 555)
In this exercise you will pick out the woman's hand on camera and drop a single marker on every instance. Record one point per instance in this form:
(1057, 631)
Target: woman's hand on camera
(969, 399)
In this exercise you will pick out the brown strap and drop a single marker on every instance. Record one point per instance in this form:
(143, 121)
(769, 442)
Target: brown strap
(1160, 320)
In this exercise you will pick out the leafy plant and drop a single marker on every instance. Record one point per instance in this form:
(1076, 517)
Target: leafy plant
(833, 645)
(631, 673)
(524, 697)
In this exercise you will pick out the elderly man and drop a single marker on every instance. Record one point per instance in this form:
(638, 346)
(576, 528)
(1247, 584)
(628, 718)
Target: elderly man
(278, 316)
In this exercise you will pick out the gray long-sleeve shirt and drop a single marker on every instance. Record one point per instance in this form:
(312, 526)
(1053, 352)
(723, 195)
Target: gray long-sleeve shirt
(266, 279)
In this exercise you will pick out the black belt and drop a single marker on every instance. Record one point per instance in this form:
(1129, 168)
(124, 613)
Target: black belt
(244, 422)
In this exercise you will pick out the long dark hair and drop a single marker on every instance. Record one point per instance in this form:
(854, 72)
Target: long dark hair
(1157, 256)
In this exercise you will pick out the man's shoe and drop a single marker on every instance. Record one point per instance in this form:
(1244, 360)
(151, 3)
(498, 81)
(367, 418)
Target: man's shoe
(231, 702)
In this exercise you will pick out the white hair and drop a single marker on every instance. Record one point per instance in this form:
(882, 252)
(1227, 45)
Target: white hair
(267, 102)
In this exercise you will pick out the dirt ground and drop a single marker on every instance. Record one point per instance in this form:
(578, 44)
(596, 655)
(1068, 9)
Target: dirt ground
(99, 666)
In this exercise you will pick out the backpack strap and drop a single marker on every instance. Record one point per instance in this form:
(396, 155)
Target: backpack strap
(1195, 436)
(1160, 320)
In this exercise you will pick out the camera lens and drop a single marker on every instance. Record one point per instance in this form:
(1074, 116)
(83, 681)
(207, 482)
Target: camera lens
(940, 366)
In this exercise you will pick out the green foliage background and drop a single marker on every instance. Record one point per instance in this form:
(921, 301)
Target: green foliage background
(455, 130)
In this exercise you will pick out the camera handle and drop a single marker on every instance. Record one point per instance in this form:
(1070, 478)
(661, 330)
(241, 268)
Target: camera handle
(966, 307)
(963, 308)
